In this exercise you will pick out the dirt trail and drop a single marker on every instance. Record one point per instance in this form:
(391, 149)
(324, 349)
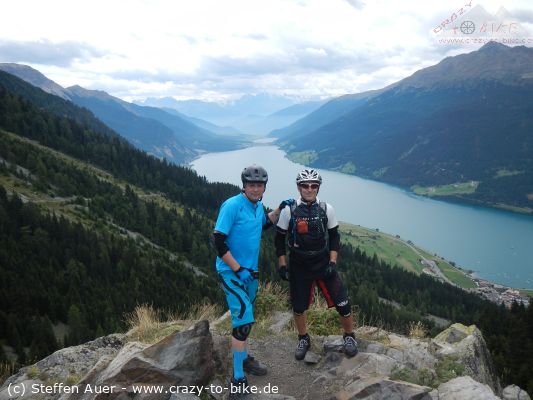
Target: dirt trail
(295, 378)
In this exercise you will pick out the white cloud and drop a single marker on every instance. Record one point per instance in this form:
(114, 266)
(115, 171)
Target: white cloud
(213, 49)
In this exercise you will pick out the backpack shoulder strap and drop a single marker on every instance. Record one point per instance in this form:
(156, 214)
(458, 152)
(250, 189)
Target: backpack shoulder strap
(292, 222)
(324, 206)
(292, 208)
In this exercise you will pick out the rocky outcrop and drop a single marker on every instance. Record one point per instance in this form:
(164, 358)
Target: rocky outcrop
(465, 387)
(181, 359)
(454, 365)
(469, 347)
(513, 392)
(110, 368)
(383, 388)
(67, 365)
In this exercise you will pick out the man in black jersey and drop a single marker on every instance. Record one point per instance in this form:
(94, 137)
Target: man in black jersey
(310, 229)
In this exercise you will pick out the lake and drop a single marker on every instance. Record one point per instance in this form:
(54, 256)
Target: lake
(498, 245)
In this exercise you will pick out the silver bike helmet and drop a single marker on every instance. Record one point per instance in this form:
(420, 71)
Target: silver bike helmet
(308, 175)
(254, 173)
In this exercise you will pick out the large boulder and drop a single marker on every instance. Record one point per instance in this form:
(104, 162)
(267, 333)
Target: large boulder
(280, 321)
(468, 346)
(182, 358)
(513, 392)
(375, 388)
(464, 387)
(411, 353)
(65, 365)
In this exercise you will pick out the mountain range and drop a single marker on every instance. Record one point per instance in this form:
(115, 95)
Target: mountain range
(251, 114)
(465, 124)
(164, 134)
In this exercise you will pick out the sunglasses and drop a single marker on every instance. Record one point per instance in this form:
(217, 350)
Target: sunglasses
(309, 185)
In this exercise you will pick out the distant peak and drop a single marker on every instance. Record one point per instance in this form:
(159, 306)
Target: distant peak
(15, 69)
(15, 65)
(493, 46)
(81, 91)
(502, 13)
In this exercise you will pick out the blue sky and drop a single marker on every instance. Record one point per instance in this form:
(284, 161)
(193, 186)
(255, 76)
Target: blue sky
(220, 50)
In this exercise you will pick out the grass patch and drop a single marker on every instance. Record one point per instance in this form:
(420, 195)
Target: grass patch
(148, 325)
(446, 369)
(422, 376)
(519, 210)
(378, 173)
(321, 320)
(7, 369)
(526, 292)
(144, 323)
(199, 312)
(446, 190)
(417, 330)
(348, 168)
(396, 251)
(303, 157)
(33, 372)
(502, 173)
(388, 248)
(455, 275)
(270, 297)
(73, 379)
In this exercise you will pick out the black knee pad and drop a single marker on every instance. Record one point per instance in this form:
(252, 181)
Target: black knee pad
(241, 332)
(344, 308)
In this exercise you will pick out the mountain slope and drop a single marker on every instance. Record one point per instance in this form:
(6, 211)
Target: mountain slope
(155, 131)
(35, 78)
(187, 131)
(328, 112)
(264, 125)
(219, 130)
(248, 114)
(261, 104)
(467, 120)
(147, 134)
(53, 104)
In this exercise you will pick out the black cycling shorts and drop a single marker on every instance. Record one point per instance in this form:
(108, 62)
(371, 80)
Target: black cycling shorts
(303, 289)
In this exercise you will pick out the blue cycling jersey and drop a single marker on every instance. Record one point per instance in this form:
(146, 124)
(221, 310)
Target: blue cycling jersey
(242, 222)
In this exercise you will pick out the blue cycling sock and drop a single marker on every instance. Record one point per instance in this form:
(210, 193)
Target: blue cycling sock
(238, 358)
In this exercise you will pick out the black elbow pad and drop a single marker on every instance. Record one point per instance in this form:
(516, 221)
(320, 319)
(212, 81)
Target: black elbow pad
(334, 239)
(220, 243)
(279, 243)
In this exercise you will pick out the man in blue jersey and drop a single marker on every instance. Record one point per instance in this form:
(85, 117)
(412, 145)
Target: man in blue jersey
(237, 237)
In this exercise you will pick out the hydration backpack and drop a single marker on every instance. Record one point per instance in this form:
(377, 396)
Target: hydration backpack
(309, 231)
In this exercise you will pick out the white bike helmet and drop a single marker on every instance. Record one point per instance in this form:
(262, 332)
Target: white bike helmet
(308, 175)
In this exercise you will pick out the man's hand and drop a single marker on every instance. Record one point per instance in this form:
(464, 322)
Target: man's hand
(283, 272)
(244, 275)
(330, 269)
(285, 203)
